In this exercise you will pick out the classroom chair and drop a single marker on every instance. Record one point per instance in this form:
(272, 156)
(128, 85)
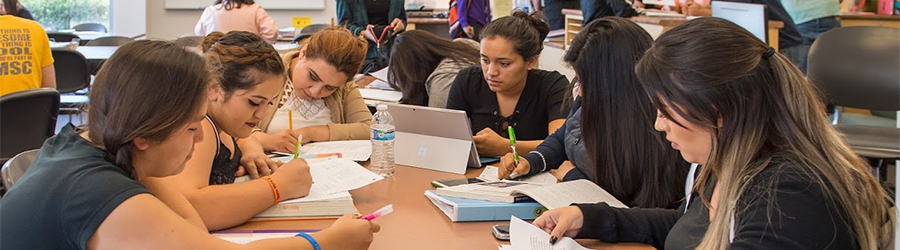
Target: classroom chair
(61, 37)
(27, 118)
(16, 167)
(308, 31)
(72, 74)
(90, 27)
(109, 41)
(858, 67)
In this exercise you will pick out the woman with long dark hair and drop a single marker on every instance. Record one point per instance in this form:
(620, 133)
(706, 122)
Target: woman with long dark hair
(608, 138)
(775, 173)
(423, 66)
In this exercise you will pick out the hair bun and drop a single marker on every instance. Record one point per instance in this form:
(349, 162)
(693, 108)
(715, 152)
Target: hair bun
(536, 20)
(210, 40)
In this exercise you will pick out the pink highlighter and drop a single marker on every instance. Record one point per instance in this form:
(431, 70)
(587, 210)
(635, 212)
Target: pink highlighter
(382, 211)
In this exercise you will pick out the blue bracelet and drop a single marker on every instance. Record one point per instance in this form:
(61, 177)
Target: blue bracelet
(312, 241)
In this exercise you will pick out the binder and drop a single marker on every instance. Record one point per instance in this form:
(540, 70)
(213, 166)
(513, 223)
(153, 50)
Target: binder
(459, 209)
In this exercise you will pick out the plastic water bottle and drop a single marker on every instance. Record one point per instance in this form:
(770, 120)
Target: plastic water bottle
(382, 142)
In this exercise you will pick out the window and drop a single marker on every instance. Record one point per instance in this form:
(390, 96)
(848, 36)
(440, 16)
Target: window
(66, 14)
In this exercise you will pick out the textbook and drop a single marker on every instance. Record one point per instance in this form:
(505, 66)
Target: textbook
(334, 206)
(550, 195)
(460, 209)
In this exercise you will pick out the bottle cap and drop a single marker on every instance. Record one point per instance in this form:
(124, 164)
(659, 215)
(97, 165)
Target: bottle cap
(381, 107)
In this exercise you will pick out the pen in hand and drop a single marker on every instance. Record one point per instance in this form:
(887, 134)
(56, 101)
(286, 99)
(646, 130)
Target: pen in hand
(297, 150)
(512, 142)
(380, 212)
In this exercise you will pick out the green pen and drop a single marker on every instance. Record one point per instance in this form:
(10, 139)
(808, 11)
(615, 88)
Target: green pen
(512, 142)
(297, 151)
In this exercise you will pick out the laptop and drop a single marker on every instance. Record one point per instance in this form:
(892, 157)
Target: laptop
(750, 16)
(433, 138)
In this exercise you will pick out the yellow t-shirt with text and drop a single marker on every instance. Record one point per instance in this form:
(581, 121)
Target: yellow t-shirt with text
(24, 51)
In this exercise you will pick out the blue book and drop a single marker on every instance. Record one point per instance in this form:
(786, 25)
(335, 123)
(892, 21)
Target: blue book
(460, 209)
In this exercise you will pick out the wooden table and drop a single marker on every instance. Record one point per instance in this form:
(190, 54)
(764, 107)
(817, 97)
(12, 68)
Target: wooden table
(434, 25)
(857, 19)
(654, 25)
(416, 223)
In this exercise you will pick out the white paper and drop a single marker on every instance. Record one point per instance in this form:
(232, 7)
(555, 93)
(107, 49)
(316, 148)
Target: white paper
(576, 191)
(524, 236)
(381, 74)
(381, 95)
(357, 150)
(491, 172)
(343, 174)
(379, 84)
(244, 238)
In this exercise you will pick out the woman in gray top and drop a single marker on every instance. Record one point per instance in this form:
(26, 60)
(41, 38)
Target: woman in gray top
(424, 65)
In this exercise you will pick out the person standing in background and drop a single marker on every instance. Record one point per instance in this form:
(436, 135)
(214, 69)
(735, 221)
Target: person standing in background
(28, 63)
(361, 15)
(228, 15)
(473, 16)
(593, 9)
(813, 18)
(553, 10)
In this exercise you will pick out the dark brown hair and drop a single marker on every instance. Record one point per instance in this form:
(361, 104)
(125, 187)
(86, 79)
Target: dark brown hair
(233, 4)
(244, 57)
(631, 160)
(760, 110)
(416, 54)
(146, 89)
(11, 7)
(339, 48)
(525, 32)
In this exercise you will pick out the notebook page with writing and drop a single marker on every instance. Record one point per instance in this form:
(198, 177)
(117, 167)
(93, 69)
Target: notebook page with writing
(565, 193)
(524, 236)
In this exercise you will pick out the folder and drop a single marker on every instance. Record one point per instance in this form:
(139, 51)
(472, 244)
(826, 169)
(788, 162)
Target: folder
(459, 209)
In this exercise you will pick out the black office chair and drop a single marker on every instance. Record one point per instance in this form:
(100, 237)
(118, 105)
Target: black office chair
(72, 74)
(109, 41)
(308, 31)
(90, 27)
(62, 37)
(27, 118)
(858, 67)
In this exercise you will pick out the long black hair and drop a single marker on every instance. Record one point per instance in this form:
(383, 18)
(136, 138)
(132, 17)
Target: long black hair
(631, 160)
(416, 55)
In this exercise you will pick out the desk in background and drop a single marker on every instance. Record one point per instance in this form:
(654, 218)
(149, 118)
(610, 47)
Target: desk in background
(434, 25)
(653, 25)
(856, 19)
(416, 223)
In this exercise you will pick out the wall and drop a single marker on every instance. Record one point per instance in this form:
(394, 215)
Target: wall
(171, 24)
(128, 17)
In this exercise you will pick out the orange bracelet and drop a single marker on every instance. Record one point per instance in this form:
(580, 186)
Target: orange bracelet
(274, 188)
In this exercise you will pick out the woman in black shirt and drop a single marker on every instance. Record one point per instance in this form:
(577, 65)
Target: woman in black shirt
(775, 175)
(507, 90)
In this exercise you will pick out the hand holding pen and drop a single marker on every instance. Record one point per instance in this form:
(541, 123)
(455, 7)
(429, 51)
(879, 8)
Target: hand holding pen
(512, 143)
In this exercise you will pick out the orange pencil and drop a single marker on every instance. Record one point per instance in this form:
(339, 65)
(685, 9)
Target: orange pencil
(291, 120)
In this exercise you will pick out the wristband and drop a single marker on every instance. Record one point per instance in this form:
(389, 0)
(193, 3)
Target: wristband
(274, 187)
(312, 241)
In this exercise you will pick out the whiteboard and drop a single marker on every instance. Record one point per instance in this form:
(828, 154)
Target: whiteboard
(266, 4)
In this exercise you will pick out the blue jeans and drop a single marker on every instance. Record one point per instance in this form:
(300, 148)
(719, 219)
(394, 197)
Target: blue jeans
(809, 31)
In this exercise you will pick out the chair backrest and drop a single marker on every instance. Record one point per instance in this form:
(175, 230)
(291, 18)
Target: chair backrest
(109, 41)
(90, 27)
(27, 118)
(309, 30)
(858, 67)
(16, 167)
(72, 70)
(62, 36)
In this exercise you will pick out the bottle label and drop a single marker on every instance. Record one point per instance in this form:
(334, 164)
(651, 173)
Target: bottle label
(382, 135)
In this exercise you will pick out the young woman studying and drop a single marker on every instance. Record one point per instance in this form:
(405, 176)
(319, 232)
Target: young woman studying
(508, 90)
(86, 189)
(251, 75)
(609, 137)
(320, 101)
(423, 66)
(245, 15)
(775, 173)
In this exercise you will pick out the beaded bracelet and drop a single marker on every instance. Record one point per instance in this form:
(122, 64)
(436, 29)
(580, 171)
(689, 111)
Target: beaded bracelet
(312, 241)
(274, 187)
